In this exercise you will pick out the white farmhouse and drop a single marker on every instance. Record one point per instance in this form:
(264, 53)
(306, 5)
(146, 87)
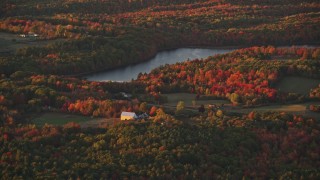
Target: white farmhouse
(128, 116)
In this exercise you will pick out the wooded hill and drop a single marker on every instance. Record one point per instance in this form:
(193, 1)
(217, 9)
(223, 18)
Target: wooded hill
(107, 34)
(94, 35)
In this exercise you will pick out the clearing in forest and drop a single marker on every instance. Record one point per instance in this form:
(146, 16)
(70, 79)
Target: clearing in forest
(188, 99)
(60, 119)
(300, 85)
(9, 42)
(301, 109)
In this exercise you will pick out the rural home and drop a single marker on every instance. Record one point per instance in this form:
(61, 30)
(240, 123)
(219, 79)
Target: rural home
(128, 116)
(30, 34)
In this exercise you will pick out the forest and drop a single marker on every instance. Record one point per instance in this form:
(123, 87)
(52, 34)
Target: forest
(133, 31)
(276, 145)
(60, 41)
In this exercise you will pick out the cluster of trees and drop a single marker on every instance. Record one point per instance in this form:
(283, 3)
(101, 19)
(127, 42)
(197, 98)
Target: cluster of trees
(101, 108)
(274, 145)
(243, 76)
(315, 93)
(46, 29)
(315, 108)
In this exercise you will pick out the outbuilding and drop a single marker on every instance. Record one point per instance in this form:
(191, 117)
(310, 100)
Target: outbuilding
(128, 116)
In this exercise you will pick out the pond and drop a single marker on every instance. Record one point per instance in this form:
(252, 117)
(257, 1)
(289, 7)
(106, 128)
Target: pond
(166, 57)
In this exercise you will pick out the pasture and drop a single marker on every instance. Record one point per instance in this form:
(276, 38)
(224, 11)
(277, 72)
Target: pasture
(60, 119)
(299, 109)
(101, 122)
(299, 85)
(188, 99)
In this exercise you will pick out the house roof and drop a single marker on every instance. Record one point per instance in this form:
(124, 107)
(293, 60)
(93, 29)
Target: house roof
(132, 114)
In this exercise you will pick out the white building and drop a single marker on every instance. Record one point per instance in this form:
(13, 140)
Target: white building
(128, 116)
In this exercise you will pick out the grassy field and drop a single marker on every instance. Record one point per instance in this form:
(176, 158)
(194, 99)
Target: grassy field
(60, 119)
(301, 109)
(102, 122)
(63, 118)
(300, 85)
(9, 42)
(174, 98)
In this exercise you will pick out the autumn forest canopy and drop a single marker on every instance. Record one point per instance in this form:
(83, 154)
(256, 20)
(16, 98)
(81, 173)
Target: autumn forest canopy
(47, 46)
(106, 34)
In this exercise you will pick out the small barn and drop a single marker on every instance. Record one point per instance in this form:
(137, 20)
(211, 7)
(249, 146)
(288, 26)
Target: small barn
(128, 116)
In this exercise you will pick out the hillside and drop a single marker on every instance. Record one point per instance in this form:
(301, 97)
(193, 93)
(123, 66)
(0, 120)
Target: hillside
(252, 113)
(101, 35)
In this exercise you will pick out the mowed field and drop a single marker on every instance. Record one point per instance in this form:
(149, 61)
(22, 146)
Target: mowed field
(60, 119)
(295, 84)
(101, 122)
(9, 42)
(55, 118)
(298, 109)
(188, 98)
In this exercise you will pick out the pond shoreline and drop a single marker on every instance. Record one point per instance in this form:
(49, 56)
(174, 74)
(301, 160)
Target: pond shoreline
(81, 75)
(153, 55)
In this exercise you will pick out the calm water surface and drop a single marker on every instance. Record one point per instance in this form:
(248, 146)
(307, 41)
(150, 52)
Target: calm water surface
(166, 57)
